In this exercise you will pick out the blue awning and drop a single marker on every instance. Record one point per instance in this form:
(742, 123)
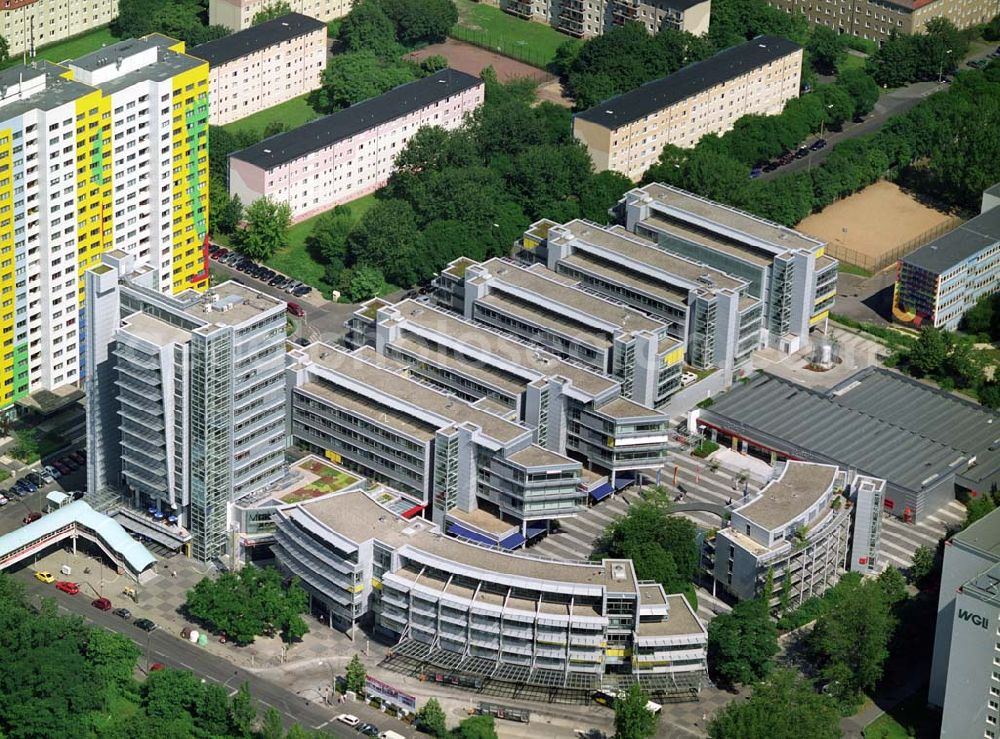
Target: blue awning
(536, 528)
(623, 482)
(513, 541)
(602, 491)
(455, 530)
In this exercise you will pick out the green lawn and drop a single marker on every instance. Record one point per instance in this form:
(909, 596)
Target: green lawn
(295, 261)
(484, 25)
(911, 718)
(853, 269)
(292, 113)
(70, 48)
(851, 62)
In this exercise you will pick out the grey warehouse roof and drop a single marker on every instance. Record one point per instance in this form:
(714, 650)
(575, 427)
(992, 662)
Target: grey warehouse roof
(286, 147)
(255, 38)
(688, 81)
(877, 422)
(950, 250)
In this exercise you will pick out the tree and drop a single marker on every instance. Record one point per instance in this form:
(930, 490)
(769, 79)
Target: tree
(893, 585)
(991, 32)
(242, 714)
(742, 644)
(227, 212)
(356, 675)
(421, 21)
(601, 192)
(861, 87)
(922, 565)
(928, 355)
(4, 49)
(266, 230)
(632, 719)
(361, 283)
(826, 50)
(26, 446)
(351, 78)
(851, 637)
(388, 239)
(477, 727)
(368, 29)
(272, 727)
(785, 596)
(271, 11)
(785, 706)
(327, 242)
(662, 547)
(989, 393)
(977, 508)
(431, 719)
(113, 657)
(212, 711)
(433, 63)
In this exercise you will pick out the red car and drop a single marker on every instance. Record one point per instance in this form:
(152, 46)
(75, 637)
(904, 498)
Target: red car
(156, 666)
(102, 604)
(31, 517)
(70, 588)
(296, 310)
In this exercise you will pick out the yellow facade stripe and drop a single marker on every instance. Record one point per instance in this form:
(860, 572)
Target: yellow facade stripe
(818, 317)
(675, 356)
(7, 280)
(825, 297)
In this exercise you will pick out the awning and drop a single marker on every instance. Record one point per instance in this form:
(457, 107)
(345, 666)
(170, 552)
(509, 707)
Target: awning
(602, 491)
(155, 533)
(536, 528)
(623, 482)
(513, 541)
(410, 513)
(455, 530)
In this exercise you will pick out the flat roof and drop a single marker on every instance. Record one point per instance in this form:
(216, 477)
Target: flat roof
(441, 325)
(477, 370)
(680, 620)
(256, 38)
(358, 518)
(229, 304)
(800, 486)
(646, 254)
(168, 63)
(681, 203)
(57, 91)
(400, 101)
(877, 422)
(154, 330)
(450, 410)
(958, 245)
(483, 520)
(538, 456)
(661, 289)
(983, 535)
(741, 251)
(624, 408)
(689, 81)
(556, 288)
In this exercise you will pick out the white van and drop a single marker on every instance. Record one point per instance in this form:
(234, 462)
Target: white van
(390, 735)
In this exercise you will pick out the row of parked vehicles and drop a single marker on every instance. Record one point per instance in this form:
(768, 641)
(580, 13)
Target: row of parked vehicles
(41, 477)
(366, 729)
(243, 263)
(101, 604)
(788, 157)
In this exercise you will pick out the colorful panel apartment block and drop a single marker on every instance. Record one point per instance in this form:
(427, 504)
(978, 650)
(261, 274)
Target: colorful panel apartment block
(116, 170)
(239, 14)
(263, 66)
(351, 153)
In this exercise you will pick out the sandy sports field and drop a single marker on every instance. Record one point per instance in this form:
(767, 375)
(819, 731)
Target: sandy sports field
(876, 226)
(472, 60)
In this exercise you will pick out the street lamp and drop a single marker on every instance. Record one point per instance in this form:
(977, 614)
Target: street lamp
(941, 68)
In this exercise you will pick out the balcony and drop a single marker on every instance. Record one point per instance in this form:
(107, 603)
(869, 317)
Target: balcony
(623, 11)
(520, 8)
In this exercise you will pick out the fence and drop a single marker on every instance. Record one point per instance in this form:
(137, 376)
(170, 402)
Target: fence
(883, 260)
(516, 49)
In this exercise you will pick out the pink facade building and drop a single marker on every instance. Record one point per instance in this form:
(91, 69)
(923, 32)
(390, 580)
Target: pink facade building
(264, 65)
(351, 153)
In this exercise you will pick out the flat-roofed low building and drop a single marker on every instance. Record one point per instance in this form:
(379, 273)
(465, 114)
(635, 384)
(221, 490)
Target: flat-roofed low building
(473, 612)
(352, 152)
(481, 474)
(238, 15)
(712, 312)
(571, 409)
(542, 307)
(627, 133)
(789, 271)
(263, 66)
(937, 284)
(797, 528)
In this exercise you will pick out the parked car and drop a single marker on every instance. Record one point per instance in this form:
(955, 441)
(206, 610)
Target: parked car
(70, 462)
(70, 588)
(124, 613)
(79, 456)
(818, 144)
(802, 152)
(349, 719)
(3, 501)
(44, 576)
(62, 467)
(35, 479)
(367, 729)
(296, 310)
(101, 604)
(156, 666)
(31, 517)
(53, 472)
(77, 494)
(45, 476)
(294, 285)
(145, 624)
(301, 292)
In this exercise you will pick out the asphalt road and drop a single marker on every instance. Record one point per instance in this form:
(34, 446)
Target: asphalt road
(892, 103)
(159, 646)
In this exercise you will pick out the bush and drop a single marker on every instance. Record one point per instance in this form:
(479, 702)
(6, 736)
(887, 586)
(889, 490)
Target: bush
(705, 448)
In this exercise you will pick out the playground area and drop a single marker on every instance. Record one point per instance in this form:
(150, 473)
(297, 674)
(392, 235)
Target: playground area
(873, 228)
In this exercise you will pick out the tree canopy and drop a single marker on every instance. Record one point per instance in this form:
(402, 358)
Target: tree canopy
(742, 644)
(785, 706)
(250, 603)
(271, 11)
(266, 229)
(905, 58)
(186, 20)
(632, 719)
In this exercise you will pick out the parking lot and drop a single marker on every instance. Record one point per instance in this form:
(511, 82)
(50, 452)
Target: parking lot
(19, 505)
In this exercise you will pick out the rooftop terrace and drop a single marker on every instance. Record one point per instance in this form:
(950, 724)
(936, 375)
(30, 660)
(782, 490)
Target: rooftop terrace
(801, 486)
